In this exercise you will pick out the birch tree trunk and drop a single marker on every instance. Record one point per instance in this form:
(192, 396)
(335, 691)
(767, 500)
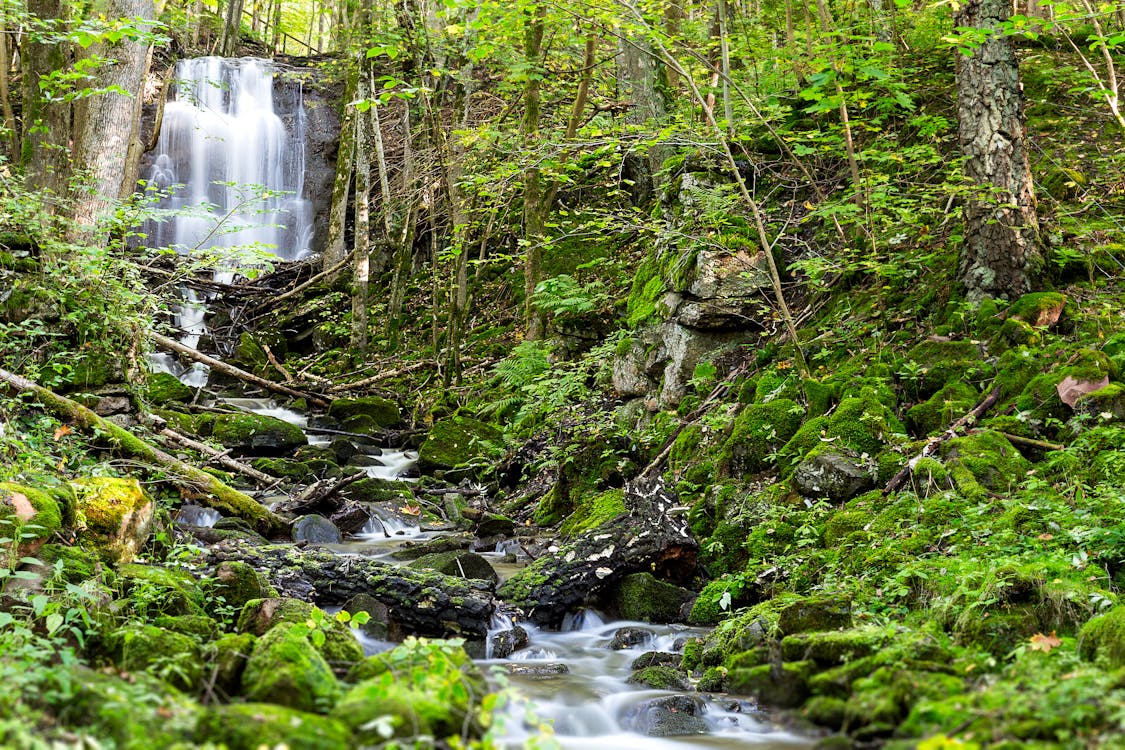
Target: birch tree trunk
(361, 272)
(1001, 254)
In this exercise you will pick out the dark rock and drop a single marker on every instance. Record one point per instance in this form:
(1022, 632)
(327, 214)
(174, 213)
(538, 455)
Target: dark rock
(449, 543)
(660, 678)
(493, 524)
(237, 583)
(785, 686)
(350, 518)
(641, 597)
(836, 473)
(458, 563)
(379, 411)
(112, 405)
(315, 530)
(257, 433)
(374, 490)
(536, 670)
(670, 716)
(630, 637)
(378, 626)
(505, 642)
(815, 613)
(655, 659)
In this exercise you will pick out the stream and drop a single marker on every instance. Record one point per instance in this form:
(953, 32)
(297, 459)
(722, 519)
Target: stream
(572, 679)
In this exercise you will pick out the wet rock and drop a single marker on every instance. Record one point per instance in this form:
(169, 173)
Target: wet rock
(457, 441)
(118, 516)
(379, 625)
(315, 530)
(836, 473)
(507, 641)
(494, 524)
(257, 433)
(377, 411)
(261, 616)
(238, 583)
(630, 637)
(536, 670)
(350, 518)
(670, 716)
(660, 678)
(459, 563)
(285, 668)
(641, 596)
(655, 659)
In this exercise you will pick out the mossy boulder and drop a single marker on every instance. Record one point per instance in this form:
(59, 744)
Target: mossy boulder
(1038, 309)
(237, 583)
(933, 363)
(640, 596)
(372, 412)
(427, 687)
(113, 516)
(227, 657)
(201, 628)
(593, 511)
(814, 613)
(1106, 404)
(163, 387)
(29, 515)
(260, 616)
(283, 467)
(1104, 637)
(832, 648)
(458, 563)
(286, 668)
(77, 564)
(257, 433)
(1040, 399)
(784, 687)
(860, 423)
(250, 726)
(837, 473)
(984, 459)
(954, 400)
(458, 441)
(376, 490)
(660, 678)
(153, 589)
(757, 433)
(163, 653)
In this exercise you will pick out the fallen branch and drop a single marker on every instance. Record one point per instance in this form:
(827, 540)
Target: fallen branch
(227, 369)
(1017, 441)
(302, 287)
(195, 483)
(265, 480)
(317, 493)
(380, 376)
(931, 446)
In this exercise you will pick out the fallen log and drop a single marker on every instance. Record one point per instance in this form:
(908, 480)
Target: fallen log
(227, 369)
(650, 537)
(195, 483)
(931, 446)
(263, 479)
(420, 602)
(315, 497)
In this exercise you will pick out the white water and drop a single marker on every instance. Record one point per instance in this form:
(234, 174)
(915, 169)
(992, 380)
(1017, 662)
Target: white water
(234, 171)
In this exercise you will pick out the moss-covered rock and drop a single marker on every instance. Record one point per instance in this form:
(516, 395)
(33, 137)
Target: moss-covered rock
(936, 362)
(200, 628)
(1038, 309)
(837, 473)
(640, 596)
(250, 726)
(257, 433)
(457, 441)
(283, 467)
(833, 647)
(77, 564)
(162, 653)
(227, 656)
(375, 411)
(940, 410)
(285, 668)
(237, 582)
(660, 678)
(29, 515)
(784, 687)
(375, 490)
(260, 616)
(152, 589)
(1040, 398)
(757, 433)
(593, 511)
(113, 516)
(426, 687)
(811, 613)
(459, 563)
(1105, 404)
(1104, 637)
(985, 460)
(162, 388)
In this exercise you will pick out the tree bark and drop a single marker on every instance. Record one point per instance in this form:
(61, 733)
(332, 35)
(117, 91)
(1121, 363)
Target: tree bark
(107, 125)
(46, 125)
(534, 211)
(5, 94)
(423, 603)
(1000, 255)
(195, 483)
(361, 270)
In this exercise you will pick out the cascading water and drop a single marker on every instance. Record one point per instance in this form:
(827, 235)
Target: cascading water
(233, 171)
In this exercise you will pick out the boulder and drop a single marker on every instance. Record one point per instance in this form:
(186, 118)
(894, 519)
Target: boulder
(537, 670)
(660, 678)
(458, 563)
(836, 473)
(28, 514)
(315, 530)
(640, 596)
(257, 434)
(457, 441)
(630, 637)
(162, 388)
(504, 643)
(378, 626)
(285, 668)
(154, 590)
(227, 657)
(369, 412)
(249, 726)
(669, 716)
(238, 583)
(114, 516)
(261, 616)
(1104, 637)
(1106, 403)
(164, 653)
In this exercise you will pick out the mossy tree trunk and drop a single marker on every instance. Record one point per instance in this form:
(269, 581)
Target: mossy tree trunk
(1000, 255)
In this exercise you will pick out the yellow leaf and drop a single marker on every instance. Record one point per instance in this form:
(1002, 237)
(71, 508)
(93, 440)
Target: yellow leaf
(62, 431)
(1045, 643)
(810, 206)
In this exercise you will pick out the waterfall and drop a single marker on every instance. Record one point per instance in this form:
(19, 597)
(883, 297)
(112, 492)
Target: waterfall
(234, 171)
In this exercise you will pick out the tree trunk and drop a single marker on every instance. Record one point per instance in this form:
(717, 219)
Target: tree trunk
(638, 82)
(232, 28)
(276, 25)
(107, 125)
(361, 271)
(534, 211)
(334, 250)
(46, 125)
(1000, 254)
(5, 95)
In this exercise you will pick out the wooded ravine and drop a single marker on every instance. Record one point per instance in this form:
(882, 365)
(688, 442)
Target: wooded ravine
(562, 375)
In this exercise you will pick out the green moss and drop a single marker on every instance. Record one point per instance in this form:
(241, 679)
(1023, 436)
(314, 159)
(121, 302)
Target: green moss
(457, 441)
(1104, 638)
(163, 653)
(381, 412)
(864, 424)
(1038, 308)
(660, 678)
(1106, 403)
(198, 627)
(260, 616)
(375, 490)
(648, 288)
(15, 501)
(833, 647)
(593, 511)
(757, 433)
(818, 396)
(984, 459)
(786, 687)
(954, 400)
(285, 668)
(283, 467)
(251, 432)
(934, 363)
(162, 388)
(249, 726)
(157, 590)
(642, 597)
(227, 657)
(236, 583)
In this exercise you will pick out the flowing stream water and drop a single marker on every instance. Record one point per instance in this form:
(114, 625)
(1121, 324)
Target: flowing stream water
(233, 173)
